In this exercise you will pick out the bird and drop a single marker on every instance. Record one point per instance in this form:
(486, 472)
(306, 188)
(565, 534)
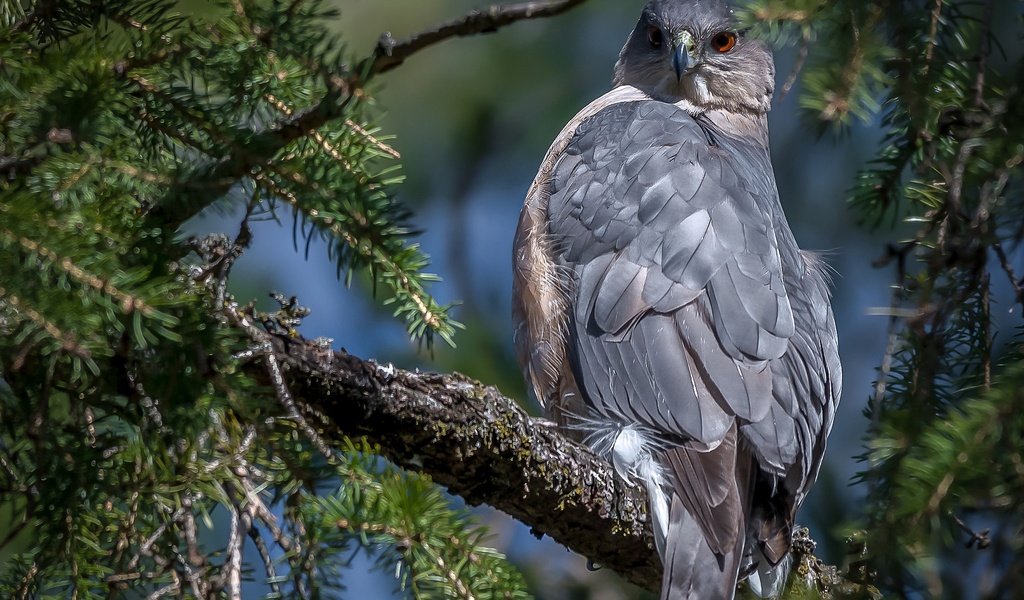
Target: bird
(663, 312)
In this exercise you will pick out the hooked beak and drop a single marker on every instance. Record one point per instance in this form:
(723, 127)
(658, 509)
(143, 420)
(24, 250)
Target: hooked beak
(684, 53)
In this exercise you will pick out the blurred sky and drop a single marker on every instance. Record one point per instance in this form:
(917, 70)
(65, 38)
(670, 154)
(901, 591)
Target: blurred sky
(473, 118)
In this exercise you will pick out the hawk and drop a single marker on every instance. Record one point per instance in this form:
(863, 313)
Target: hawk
(663, 310)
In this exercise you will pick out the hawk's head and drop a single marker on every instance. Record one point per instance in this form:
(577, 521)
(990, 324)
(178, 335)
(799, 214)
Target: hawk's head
(690, 50)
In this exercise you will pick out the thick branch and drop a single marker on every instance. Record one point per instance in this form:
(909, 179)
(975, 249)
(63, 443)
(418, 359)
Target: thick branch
(485, 448)
(390, 53)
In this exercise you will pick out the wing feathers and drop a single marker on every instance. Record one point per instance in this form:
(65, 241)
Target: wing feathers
(683, 317)
(656, 223)
(708, 485)
(685, 404)
(693, 313)
(654, 200)
(620, 297)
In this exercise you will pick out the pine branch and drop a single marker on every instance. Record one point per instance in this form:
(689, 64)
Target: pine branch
(179, 206)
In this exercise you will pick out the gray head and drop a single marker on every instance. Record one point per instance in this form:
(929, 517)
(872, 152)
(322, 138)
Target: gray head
(690, 50)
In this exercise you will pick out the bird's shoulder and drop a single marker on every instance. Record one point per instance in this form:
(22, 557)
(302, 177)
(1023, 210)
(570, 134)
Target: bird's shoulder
(646, 207)
(638, 123)
(647, 178)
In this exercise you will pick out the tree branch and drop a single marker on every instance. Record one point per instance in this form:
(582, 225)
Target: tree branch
(483, 447)
(391, 53)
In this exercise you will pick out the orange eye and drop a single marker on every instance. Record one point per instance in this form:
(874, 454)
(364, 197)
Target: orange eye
(724, 41)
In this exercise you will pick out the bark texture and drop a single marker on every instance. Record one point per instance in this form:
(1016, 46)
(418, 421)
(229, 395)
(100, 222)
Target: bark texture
(485, 448)
(482, 446)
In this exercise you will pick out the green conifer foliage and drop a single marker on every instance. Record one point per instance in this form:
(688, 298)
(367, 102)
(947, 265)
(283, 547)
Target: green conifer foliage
(127, 427)
(943, 450)
(131, 424)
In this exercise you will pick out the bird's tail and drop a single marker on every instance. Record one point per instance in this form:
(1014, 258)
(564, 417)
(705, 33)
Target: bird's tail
(693, 571)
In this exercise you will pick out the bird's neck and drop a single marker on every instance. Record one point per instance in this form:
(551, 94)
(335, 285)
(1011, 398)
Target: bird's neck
(739, 123)
(747, 125)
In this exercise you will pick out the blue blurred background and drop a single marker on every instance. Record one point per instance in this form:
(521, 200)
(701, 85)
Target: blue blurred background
(472, 119)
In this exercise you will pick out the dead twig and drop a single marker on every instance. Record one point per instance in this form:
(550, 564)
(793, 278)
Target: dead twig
(798, 66)
(978, 539)
(391, 53)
